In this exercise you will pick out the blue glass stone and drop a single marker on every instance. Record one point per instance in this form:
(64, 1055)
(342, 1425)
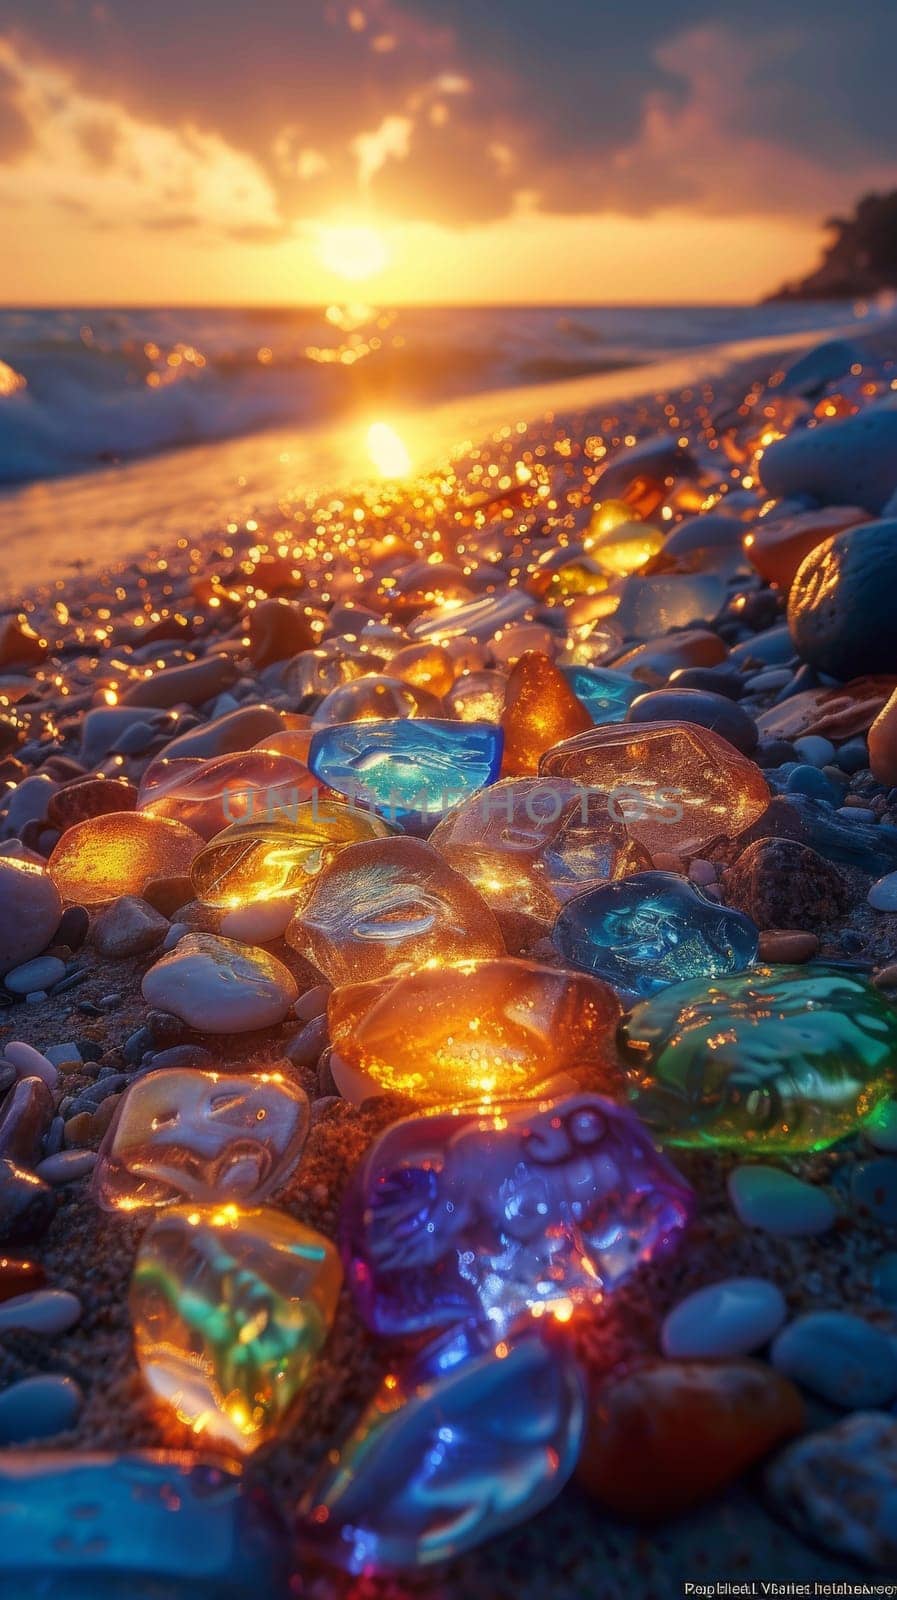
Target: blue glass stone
(500, 1216)
(409, 770)
(606, 695)
(451, 1452)
(139, 1526)
(652, 929)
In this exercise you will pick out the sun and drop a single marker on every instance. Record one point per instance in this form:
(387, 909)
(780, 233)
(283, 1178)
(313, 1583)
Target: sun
(354, 251)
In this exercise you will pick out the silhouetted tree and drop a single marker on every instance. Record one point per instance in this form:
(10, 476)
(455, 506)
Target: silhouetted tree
(862, 256)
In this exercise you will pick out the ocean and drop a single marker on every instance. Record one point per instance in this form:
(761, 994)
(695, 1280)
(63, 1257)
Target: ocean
(120, 428)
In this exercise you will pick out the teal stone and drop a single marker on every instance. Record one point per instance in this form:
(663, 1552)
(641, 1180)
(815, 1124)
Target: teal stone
(410, 770)
(145, 1525)
(458, 1446)
(774, 1059)
(606, 695)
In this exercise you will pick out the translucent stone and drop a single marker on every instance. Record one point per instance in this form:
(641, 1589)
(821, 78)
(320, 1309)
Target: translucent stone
(540, 710)
(606, 695)
(461, 1444)
(411, 769)
(506, 1215)
(476, 1032)
(180, 1134)
(319, 671)
(229, 1310)
(621, 547)
(777, 1059)
(119, 853)
(476, 619)
(210, 795)
(651, 930)
(136, 1526)
(528, 844)
(656, 604)
(477, 697)
(264, 861)
(425, 666)
(676, 786)
(388, 905)
(375, 699)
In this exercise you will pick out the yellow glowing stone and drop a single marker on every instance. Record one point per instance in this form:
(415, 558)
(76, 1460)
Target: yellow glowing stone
(389, 904)
(475, 1032)
(607, 514)
(120, 853)
(229, 1309)
(281, 855)
(424, 666)
(625, 547)
(540, 710)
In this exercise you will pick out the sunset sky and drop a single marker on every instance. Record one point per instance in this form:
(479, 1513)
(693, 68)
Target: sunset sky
(560, 151)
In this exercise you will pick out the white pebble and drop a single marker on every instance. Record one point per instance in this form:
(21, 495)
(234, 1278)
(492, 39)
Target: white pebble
(767, 1198)
(730, 1318)
(43, 1311)
(29, 1063)
(258, 924)
(40, 974)
(883, 894)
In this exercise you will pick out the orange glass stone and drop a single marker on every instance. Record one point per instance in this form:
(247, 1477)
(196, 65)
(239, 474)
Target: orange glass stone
(386, 905)
(677, 787)
(540, 710)
(476, 1032)
(424, 666)
(120, 853)
(279, 856)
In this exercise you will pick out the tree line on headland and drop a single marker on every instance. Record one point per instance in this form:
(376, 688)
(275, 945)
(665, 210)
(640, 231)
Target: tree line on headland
(861, 258)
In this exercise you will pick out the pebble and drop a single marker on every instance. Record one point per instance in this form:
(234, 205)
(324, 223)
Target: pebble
(853, 756)
(39, 974)
(814, 750)
(787, 945)
(873, 1190)
(237, 730)
(43, 1311)
(839, 1357)
(780, 883)
(883, 743)
(698, 706)
(38, 1408)
(884, 1277)
(73, 927)
(30, 1063)
(219, 986)
(30, 909)
(24, 1118)
(836, 1487)
(66, 1166)
(851, 633)
(258, 923)
(669, 1435)
(768, 680)
(730, 1318)
(881, 1128)
(129, 926)
(809, 780)
(778, 1203)
(27, 1204)
(845, 463)
(883, 894)
(313, 1003)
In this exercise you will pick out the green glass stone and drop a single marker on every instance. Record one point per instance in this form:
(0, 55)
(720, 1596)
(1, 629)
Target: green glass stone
(774, 1059)
(230, 1308)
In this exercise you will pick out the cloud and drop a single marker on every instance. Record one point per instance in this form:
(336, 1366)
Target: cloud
(251, 122)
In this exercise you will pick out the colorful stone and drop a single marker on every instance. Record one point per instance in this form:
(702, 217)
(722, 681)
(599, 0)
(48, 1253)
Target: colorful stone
(529, 844)
(447, 1456)
(219, 986)
(180, 1134)
(606, 695)
(119, 853)
(388, 905)
(476, 1032)
(780, 1058)
(250, 786)
(375, 698)
(411, 769)
(508, 1215)
(281, 857)
(650, 930)
(477, 697)
(671, 1434)
(677, 787)
(125, 1527)
(540, 709)
(229, 1309)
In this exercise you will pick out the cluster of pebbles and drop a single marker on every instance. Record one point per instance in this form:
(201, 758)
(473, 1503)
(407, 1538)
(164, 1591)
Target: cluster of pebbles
(747, 586)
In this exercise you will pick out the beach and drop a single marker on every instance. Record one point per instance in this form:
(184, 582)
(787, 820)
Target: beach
(120, 573)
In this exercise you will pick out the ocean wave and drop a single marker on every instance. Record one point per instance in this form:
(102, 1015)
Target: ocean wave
(84, 389)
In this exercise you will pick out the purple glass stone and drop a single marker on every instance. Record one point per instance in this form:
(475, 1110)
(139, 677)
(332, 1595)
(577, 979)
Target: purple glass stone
(488, 1216)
